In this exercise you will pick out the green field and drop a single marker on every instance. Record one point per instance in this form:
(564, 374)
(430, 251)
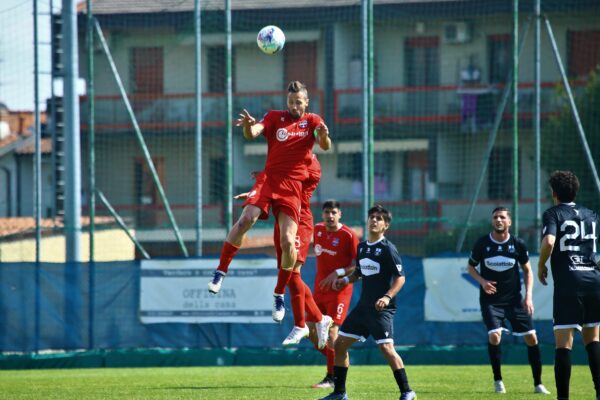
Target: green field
(256, 383)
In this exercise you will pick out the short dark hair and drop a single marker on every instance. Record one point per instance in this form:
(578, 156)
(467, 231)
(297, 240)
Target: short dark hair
(565, 184)
(501, 208)
(378, 208)
(297, 87)
(332, 203)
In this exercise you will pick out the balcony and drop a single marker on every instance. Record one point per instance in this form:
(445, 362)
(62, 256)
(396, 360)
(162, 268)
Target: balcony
(445, 104)
(178, 111)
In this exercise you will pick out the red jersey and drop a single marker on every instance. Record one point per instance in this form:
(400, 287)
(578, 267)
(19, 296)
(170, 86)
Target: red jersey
(290, 142)
(333, 250)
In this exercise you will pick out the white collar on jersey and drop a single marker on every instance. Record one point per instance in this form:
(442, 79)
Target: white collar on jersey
(371, 244)
(569, 204)
(497, 242)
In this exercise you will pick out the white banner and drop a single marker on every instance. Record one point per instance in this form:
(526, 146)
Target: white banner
(452, 295)
(176, 291)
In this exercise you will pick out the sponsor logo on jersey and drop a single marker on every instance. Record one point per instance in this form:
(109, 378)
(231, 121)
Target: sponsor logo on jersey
(320, 250)
(369, 267)
(487, 248)
(499, 263)
(282, 134)
(335, 242)
(399, 267)
(319, 234)
(581, 263)
(378, 251)
(303, 124)
(499, 248)
(368, 250)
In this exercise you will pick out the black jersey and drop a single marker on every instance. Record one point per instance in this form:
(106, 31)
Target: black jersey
(377, 263)
(572, 260)
(500, 263)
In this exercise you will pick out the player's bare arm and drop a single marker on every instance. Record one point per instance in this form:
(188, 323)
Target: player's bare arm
(323, 136)
(334, 275)
(489, 287)
(384, 301)
(251, 128)
(528, 278)
(339, 284)
(545, 251)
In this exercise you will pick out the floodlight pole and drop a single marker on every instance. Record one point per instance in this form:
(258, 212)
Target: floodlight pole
(515, 93)
(367, 106)
(72, 139)
(537, 121)
(198, 136)
(228, 121)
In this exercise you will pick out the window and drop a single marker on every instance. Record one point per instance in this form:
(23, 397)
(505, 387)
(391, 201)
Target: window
(499, 57)
(216, 70)
(147, 70)
(583, 49)
(500, 174)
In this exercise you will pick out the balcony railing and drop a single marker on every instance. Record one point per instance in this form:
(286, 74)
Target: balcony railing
(444, 104)
(401, 105)
(172, 111)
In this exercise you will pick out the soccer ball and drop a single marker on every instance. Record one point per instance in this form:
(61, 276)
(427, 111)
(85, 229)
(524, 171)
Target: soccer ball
(270, 39)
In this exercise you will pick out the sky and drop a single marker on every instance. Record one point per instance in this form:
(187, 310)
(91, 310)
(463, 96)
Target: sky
(16, 53)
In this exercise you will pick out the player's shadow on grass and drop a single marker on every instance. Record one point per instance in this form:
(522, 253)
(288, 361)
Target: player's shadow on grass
(219, 387)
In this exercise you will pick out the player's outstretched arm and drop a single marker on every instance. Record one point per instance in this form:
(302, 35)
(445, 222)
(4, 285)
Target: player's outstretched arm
(545, 251)
(251, 128)
(323, 136)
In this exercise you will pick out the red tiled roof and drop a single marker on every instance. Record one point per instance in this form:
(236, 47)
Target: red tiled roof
(46, 147)
(164, 6)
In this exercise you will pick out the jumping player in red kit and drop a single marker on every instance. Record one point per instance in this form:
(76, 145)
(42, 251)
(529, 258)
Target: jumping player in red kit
(290, 140)
(303, 305)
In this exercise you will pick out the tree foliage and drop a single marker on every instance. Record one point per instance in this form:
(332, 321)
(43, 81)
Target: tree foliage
(562, 148)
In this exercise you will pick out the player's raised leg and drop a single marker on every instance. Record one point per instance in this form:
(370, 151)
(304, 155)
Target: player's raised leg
(232, 243)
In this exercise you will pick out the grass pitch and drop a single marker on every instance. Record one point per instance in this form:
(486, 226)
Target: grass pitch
(258, 383)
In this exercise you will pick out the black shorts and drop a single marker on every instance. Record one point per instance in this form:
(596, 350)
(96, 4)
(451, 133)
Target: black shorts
(495, 316)
(572, 310)
(365, 321)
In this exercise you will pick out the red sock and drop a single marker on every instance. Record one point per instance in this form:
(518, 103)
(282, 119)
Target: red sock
(329, 353)
(283, 278)
(227, 253)
(296, 286)
(313, 314)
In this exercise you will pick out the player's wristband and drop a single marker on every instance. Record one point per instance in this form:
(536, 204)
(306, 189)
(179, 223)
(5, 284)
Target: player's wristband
(346, 280)
(388, 296)
(340, 271)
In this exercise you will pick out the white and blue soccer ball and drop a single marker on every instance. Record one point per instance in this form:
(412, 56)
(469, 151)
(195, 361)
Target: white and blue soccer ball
(270, 39)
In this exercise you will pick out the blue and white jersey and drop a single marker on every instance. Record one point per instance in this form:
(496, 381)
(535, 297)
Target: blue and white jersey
(377, 264)
(499, 262)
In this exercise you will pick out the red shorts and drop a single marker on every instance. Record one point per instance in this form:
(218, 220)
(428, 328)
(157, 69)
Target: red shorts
(335, 305)
(280, 193)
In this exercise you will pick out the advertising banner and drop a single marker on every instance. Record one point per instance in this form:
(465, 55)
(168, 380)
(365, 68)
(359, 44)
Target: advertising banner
(176, 291)
(452, 295)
